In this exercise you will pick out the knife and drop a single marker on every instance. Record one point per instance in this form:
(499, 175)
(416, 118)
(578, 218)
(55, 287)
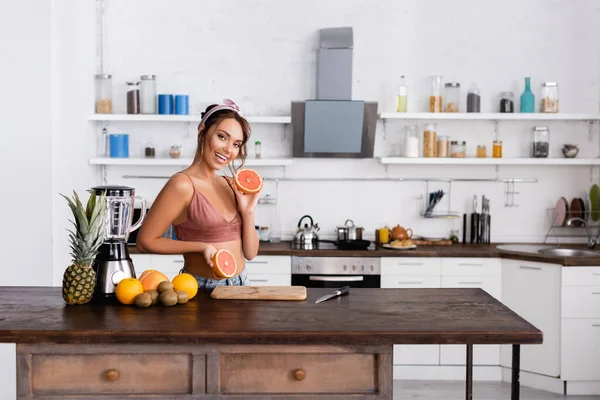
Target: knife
(340, 292)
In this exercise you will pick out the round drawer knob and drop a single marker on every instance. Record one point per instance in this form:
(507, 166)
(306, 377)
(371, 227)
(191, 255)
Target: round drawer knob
(112, 375)
(299, 374)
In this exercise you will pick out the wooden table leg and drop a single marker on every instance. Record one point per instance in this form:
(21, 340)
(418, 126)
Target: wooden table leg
(516, 367)
(469, 372)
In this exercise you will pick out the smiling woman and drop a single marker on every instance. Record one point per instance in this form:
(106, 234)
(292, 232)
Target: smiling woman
(208, 211)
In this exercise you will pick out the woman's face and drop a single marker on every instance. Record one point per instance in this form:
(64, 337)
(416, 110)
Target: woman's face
(223, 143)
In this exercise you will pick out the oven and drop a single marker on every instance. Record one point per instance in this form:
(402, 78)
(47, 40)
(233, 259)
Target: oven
(334, 272)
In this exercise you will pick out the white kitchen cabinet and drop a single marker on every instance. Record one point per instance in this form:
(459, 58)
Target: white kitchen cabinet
(580, 324)
(413, 273)
(8, 371)
(532, 290)
(483, 273)
(270, 271)
(141, 262)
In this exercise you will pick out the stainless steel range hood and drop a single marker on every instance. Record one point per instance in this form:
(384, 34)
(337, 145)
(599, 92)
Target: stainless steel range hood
(334, 125)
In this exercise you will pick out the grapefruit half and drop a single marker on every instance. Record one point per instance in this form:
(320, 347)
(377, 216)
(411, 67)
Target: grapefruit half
(224, 263)
(248, 181)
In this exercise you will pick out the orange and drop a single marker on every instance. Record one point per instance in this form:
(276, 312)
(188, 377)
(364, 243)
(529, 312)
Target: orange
(151, 278)
(187, 283)
(127, 289)
(248, 181)
(224, 263)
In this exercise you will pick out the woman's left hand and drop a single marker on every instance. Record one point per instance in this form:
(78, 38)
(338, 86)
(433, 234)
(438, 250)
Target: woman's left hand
(246, 202)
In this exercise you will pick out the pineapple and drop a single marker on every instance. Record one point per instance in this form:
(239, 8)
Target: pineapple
(79, 279)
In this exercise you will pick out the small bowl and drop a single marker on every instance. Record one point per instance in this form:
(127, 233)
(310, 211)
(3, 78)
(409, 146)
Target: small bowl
(570, 151)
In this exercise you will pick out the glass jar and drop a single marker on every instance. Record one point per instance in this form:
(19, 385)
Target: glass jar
(411, 142)
(429, 141)
(541, 141)
(257, 149)
(443, 146)
(481, 151)
(473, 100)
(175, 151)
(435, 97)
(507, 102)
(133, 97)
(452, 97)
(549, 97)
(149, 151)
(263, 234)
(497, 149)
(458, 149)
(148, 94)
(103, 94)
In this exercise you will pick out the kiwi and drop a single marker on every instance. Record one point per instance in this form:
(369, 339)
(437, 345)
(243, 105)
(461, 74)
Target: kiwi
(154, 294)
(168, 298)
(182, 296)
(164, 286)
(143, 300)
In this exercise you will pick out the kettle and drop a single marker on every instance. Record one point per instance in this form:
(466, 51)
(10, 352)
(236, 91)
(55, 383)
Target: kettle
(306, 237)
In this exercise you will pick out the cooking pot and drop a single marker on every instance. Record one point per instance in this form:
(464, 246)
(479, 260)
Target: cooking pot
(349, 232)
(306, 237)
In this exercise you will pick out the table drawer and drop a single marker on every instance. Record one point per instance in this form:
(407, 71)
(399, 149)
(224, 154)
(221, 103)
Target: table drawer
(491, 284)
(270, 265)
(580, 302)
(410, 281)
(269, 279)
(281, 373)
(410, 266)
(581, 276)
(110, 374)
(471, 266)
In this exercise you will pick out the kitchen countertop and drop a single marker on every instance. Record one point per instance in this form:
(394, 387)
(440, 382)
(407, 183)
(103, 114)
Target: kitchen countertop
(372, 317)
(457, 250)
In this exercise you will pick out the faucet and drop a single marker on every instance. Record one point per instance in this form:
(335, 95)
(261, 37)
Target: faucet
(591, 241)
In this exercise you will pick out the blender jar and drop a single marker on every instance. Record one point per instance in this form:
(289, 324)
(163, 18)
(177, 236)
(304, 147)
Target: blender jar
(120, 206)
(103, 94)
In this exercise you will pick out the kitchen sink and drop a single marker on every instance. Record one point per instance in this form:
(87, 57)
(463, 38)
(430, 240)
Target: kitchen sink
(559, 252)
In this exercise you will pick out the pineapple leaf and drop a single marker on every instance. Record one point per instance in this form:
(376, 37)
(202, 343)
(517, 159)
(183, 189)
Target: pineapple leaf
(91, 204)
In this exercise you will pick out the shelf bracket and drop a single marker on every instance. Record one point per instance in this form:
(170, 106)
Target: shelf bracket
(384, 127)
(496, 130)
(103, 174)
(590, 130)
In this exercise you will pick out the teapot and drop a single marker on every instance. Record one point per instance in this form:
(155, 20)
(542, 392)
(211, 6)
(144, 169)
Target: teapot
(306, 237)
(399, 233)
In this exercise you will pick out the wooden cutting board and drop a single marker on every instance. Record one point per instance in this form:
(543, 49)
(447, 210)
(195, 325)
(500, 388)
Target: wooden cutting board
(259, 293)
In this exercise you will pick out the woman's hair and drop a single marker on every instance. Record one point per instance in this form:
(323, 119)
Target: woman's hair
(216, 118)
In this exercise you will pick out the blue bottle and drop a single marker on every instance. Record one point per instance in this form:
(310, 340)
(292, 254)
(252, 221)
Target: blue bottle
(527, 98)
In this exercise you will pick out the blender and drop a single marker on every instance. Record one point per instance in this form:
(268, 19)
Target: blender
(113, 262)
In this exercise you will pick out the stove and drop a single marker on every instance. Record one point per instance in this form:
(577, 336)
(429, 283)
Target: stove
(334, 272)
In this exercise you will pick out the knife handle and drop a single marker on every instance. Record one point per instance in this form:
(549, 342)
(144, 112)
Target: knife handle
(344, 290)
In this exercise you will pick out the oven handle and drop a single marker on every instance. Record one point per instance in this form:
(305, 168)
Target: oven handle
(336, 278)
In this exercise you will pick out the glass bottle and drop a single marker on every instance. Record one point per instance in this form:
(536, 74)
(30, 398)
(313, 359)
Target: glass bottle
(435, 97)
(257, 149)
(149, 151)
(103, 94)
(430, 141)
(411, 142)
(507, 102)
(497, 149)
(402, 97)
(473, 100)
(148, 94)
(541, 141)
(133, 97)
(452, 97)
(549, 97)
(527, 98)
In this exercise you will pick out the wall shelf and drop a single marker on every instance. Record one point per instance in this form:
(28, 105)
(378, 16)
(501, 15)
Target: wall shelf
(492, 116)
(489, 161)
(266, 162)
(257, 119)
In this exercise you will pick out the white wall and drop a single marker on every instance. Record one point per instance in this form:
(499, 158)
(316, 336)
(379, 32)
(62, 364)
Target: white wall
(262, 54)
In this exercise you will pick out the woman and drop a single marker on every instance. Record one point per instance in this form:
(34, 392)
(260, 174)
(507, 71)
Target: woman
(207, 210)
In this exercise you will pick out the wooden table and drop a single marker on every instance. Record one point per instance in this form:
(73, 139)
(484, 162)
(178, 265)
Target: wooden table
(224, 349)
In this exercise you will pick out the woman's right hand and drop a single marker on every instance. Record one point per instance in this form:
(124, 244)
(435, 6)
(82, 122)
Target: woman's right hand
(209, 252)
